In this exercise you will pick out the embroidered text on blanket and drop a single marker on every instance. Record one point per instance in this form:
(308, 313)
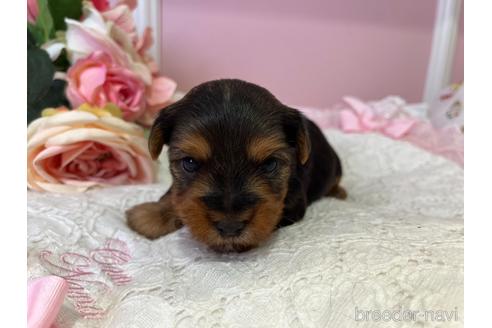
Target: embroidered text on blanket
(81, 272)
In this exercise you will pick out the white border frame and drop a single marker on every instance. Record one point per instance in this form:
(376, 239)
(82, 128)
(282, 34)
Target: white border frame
(443, 48)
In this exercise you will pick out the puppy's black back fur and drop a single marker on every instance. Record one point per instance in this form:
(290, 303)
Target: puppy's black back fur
(312, 180)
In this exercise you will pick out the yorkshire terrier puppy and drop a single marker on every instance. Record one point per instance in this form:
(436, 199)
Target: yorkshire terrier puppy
(243, 164)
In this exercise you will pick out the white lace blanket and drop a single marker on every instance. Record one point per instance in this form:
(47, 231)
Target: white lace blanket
(395, 244)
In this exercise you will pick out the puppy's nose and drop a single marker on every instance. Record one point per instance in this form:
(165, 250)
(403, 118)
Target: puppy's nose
(229, 228)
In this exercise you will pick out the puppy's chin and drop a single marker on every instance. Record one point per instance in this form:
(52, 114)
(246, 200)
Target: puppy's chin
(264, 221)
(253, 235)
(231, 247)
(246, 241)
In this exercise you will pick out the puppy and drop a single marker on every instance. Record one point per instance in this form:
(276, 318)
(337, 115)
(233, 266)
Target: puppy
(243, 164)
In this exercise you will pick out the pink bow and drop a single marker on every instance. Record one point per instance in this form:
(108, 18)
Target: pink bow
(361, 117)
(44, 298)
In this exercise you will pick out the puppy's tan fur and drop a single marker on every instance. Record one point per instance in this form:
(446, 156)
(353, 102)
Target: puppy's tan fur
(256, 164)
(154, 219)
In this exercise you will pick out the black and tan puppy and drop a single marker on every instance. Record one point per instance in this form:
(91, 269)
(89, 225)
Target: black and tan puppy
(243, 164)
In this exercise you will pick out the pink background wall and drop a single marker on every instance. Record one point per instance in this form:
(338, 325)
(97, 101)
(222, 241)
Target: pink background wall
(306, 52)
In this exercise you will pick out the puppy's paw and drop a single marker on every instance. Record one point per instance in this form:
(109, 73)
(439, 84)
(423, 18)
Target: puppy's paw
(337, 192)
(153, 219)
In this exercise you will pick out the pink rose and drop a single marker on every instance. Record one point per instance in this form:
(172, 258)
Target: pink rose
(158, 95)
(101, 5)
(73, 151)
(32, 11)
(97, 80)
(132, 4)
(95, 34)
(122, 18)
(113, 33)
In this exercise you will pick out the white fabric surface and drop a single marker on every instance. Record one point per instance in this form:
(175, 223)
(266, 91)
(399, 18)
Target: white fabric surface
(397, 241)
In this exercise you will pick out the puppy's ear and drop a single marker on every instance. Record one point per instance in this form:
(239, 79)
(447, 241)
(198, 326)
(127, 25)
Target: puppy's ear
(296, 130)
(160, 133)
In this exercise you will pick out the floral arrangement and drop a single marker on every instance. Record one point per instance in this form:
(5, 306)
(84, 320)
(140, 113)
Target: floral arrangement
(92, 89)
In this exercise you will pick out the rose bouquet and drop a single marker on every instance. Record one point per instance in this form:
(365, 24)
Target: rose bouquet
(92, 88)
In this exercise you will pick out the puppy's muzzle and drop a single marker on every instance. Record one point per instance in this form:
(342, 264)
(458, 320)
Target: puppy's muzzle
(229, 228)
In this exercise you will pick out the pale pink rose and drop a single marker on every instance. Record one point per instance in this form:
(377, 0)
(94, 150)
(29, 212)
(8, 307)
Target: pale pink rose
(113, 32)
(142, 46)
(97, 80)
(32, 11)
(145, 42)
(132, 4)
(94, 34)
(73, 151)
(158, 95)
(122, 18)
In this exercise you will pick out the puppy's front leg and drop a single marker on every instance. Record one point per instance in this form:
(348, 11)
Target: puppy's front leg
(154, 219)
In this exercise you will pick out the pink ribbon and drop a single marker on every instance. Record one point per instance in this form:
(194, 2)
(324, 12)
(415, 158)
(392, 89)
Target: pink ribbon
(44, 299)
(361, 117)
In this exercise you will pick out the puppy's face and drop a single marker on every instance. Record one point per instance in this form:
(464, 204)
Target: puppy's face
(232, 149)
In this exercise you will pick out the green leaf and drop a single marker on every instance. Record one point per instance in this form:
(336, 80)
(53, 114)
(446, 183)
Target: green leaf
(36, 33)
(44, 21)
(40, 72)
(31, 41)
(55, 97)
(42, 90)
(61, 9)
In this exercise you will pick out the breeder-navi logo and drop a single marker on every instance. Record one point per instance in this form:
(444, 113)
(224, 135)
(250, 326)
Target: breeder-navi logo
(406, 315)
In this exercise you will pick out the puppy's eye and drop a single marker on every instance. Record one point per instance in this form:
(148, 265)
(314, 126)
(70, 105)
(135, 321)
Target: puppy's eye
(269, 165)
(190, 164)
